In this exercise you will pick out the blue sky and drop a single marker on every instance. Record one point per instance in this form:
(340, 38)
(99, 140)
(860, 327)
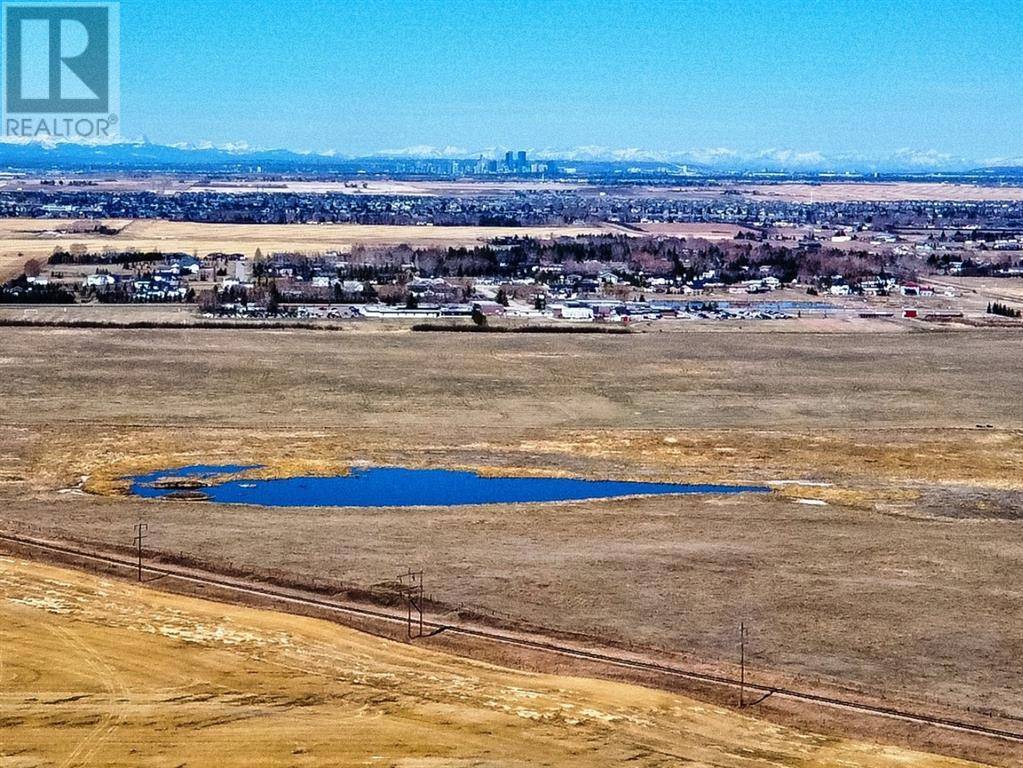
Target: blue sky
(864, 77)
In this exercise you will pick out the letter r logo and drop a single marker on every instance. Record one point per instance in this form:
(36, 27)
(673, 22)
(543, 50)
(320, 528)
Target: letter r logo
(57, 58)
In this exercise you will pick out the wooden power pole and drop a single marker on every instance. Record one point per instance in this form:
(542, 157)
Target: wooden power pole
(742, 664)
(140, 534)
(411, 588)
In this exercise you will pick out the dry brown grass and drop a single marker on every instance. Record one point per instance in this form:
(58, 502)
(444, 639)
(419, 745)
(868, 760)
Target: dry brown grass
(103, 673)
(704, 231)
(902, 584)
(985, 288)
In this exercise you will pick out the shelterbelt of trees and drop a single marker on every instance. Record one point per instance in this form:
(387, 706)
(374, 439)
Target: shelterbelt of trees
(655, 256)
(626, 256)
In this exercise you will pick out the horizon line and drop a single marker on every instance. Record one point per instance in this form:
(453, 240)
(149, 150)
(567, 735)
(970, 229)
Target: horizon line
(772, 159)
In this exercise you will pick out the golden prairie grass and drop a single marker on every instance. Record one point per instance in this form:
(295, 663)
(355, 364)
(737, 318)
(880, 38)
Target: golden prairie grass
(99, 672)
(912, 532)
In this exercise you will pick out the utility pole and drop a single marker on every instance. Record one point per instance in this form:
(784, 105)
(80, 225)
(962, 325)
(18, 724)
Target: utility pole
(410, 586)
(742, 664)
(140, 533)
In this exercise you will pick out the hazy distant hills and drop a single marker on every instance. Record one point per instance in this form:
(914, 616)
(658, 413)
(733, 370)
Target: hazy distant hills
(144, 155)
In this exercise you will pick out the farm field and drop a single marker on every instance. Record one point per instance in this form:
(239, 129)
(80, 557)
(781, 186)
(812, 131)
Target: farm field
(844, 192)
(179, 183)
(883, 563)
(23, 239)
(826, 191)
(99, 672)
(420, 188)
(705, 231)
(983, 289)
(882, 192)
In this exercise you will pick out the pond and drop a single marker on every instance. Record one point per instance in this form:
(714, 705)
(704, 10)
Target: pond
(398, 487)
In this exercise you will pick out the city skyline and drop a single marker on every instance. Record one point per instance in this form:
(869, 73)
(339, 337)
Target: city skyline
(19, 152)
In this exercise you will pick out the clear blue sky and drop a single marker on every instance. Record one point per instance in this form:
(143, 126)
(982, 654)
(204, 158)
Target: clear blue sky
(359, 76)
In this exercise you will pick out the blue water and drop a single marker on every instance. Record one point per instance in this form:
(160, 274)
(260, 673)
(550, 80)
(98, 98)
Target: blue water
(397, 487)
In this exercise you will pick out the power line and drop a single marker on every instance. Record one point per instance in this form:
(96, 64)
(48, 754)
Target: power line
(569, 651)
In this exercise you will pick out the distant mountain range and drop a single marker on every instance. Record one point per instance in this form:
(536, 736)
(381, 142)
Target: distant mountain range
(724, 159)
(145, 155)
